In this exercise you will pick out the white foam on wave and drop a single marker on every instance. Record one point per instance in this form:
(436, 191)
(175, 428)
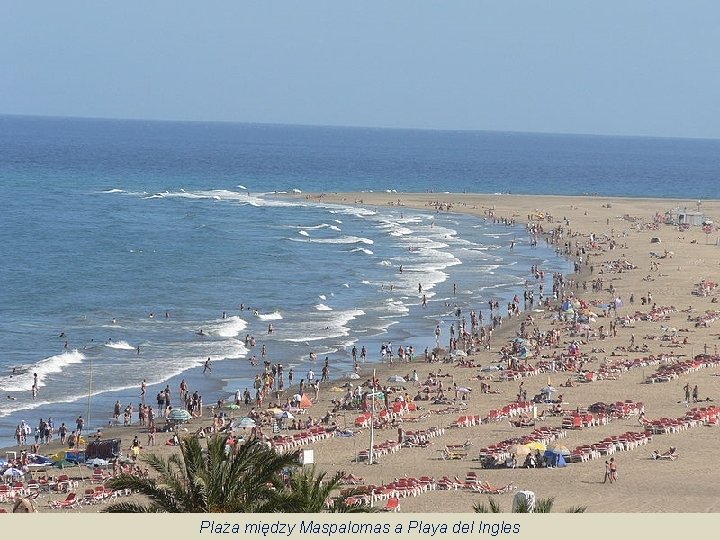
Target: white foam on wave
(274, 316)
(238, 197)
(340, 240)
(230, 327)
(361, 250)
(396, 306)
(296, 190)
(303, 233)
(318, 326)
(240, 186)
(114, 190)
(385, 263)
(322, 297)
(43, 368)
(323, 307)
(123, 345)
(353, 211)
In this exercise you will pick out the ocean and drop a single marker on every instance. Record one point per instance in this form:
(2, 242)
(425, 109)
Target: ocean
(127, 234)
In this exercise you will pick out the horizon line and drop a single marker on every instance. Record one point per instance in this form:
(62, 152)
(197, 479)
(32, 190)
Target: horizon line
(345, 126)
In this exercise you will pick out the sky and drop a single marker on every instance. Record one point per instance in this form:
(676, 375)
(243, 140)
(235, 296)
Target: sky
(612, 67)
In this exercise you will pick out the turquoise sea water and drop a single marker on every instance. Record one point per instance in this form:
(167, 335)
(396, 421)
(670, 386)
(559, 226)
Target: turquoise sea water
(107, 222)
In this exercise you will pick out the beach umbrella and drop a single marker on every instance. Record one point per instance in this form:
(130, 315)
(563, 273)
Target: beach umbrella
(179, 415)
(305, 402)
(536, 445)
(396, 378)
(12, 471)
(559, 448)
(275, 411)
(245, 422)
(287, 414)
(548, 389)
(520, 449)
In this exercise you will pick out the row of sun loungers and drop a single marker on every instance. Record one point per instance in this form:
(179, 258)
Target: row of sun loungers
(91, 495)
(421, 437)
(517, 408)
(707, 319)
(289, 442)
(609, 445)
(412, 487)
(671, 372)
(699, 416)
(382, 449)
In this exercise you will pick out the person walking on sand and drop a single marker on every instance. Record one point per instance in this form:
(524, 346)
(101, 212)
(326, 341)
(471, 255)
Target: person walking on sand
(607, 473)
(610, 471)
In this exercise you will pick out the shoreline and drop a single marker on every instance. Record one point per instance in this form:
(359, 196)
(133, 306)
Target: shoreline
(331, 455)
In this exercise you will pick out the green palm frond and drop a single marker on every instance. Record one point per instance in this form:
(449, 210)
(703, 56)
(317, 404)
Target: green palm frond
(544, 506)
(493, 507)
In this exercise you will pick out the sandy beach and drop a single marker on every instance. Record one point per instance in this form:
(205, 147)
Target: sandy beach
(614, 241)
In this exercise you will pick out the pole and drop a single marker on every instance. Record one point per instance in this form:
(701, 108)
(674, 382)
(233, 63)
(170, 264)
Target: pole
(371, 454)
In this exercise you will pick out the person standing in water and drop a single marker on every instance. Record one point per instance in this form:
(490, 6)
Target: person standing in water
(207, 367)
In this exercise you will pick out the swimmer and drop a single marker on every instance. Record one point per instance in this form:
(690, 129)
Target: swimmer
(152, 315)
(114, 321)
(167, 315)
(62, 335)
(11, 398)
(200, 332)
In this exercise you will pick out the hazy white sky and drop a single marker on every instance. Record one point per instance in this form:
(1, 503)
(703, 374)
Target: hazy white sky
(616, 67)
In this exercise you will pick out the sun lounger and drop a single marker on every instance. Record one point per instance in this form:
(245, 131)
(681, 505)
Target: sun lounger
(392, 505)
(71, 501)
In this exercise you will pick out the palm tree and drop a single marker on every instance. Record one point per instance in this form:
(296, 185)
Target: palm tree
(211, 480)
(542, 506)
(308, 491)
